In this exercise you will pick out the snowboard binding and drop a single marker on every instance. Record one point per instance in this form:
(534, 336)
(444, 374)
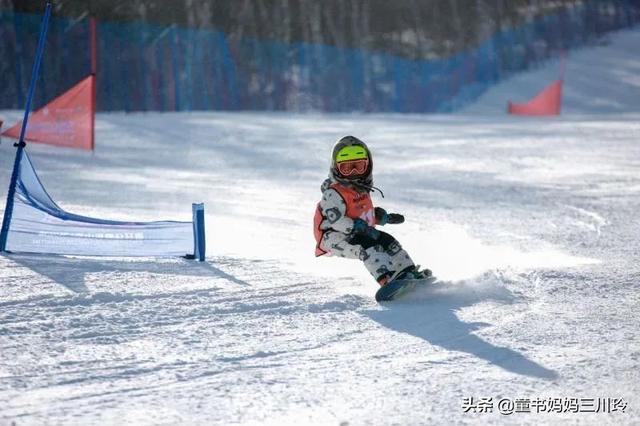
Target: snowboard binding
(403, 282)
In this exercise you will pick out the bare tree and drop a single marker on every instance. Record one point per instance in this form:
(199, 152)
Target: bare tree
(411, 28)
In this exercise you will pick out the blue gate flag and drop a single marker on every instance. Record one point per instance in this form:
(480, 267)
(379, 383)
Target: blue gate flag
(8, 210)
(39, 225)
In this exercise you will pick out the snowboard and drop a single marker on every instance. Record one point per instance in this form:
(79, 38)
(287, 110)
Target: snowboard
(398, 288)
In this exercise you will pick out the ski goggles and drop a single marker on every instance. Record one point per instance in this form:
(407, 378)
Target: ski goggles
(353, 167)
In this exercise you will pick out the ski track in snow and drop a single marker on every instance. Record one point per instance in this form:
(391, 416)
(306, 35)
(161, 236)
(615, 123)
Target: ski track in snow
(530, 224)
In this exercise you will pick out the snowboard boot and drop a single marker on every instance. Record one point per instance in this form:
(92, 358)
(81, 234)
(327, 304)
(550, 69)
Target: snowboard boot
(413, 273)
(406, 273)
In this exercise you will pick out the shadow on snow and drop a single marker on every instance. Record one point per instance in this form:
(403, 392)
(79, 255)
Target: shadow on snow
(70, 272)
(430, 314)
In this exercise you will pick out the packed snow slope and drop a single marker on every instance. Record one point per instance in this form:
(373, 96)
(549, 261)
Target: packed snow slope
(531, 225)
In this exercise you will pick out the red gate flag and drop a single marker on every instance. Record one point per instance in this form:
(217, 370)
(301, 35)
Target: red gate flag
(67, 121)
(547, 102)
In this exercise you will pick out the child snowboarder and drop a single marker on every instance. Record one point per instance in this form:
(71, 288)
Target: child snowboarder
(345, 220)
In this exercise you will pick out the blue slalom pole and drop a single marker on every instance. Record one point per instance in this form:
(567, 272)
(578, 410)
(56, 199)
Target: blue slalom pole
(8, 211)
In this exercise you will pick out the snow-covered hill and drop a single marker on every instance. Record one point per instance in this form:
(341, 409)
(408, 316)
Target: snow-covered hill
(597, 80)
(530, 224)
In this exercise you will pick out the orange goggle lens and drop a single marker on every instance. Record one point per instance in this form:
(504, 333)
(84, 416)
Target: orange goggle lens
(353, 167)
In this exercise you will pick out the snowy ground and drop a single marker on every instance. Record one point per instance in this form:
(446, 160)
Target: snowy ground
(531, 225)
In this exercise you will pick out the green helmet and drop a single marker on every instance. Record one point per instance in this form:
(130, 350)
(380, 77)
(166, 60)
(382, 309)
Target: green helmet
(351, 148)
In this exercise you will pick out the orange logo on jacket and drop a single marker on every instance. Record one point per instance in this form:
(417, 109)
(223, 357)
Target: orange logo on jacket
(359, 205)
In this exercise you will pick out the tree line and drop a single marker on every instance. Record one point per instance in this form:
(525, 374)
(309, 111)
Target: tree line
(417, 29)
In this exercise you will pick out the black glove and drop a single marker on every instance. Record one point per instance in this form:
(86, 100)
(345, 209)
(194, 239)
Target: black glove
(395, 218)
(382, 217)
(361, 227)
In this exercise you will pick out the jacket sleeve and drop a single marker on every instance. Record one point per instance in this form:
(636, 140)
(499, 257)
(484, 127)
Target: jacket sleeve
(334, 211)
